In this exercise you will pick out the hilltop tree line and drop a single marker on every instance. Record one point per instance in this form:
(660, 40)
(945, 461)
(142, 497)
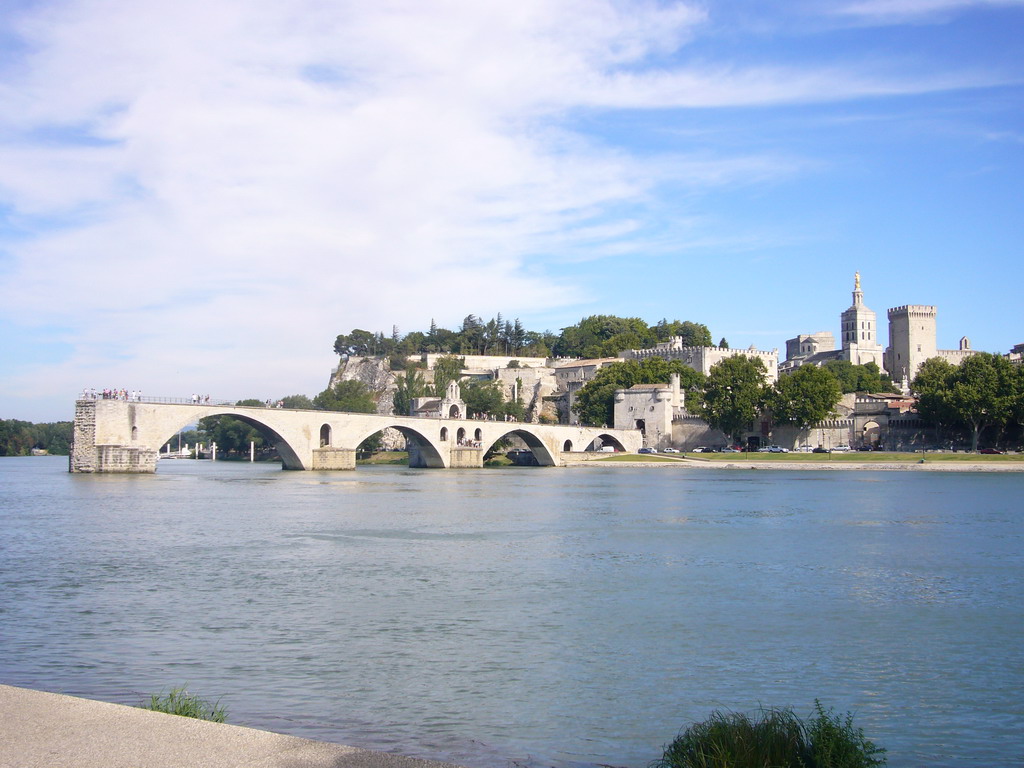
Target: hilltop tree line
(594, 336)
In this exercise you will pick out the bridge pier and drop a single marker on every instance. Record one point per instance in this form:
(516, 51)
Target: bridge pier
(332, 458)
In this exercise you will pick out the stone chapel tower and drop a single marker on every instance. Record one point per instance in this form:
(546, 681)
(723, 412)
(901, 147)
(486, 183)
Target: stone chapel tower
(860, 331)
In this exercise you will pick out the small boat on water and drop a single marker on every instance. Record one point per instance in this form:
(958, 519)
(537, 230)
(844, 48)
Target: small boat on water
(179, 454)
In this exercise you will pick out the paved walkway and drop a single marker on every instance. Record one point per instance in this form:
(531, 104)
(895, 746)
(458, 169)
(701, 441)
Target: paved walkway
(48, 730)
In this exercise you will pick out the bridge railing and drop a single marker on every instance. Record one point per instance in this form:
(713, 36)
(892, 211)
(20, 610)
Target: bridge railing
(204, 400)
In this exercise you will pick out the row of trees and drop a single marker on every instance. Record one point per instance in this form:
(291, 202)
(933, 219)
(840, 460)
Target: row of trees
(19, 438)
(594, 336)
(983, 392)
(729, 398)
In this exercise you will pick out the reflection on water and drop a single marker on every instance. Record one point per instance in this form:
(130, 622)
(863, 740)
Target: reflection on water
(547, 617)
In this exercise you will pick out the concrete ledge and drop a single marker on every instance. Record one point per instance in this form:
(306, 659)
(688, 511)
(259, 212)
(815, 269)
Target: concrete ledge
(49, 730)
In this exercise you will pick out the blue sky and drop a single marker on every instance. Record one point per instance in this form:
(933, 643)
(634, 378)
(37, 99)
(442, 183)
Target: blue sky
(199, 196)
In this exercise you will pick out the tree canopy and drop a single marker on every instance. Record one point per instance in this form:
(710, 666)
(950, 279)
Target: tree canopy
(19, 438)
(408, 387)
(446, 370)
(804, 397)
(351, 396)
(594, 336)
(984, 391)
(859, 378)
(734, 394)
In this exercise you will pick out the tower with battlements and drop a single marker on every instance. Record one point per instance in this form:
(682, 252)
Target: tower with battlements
(911, 341)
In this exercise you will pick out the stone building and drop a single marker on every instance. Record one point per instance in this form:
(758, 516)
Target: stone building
(858, 334)
(860, 331)
(570, 376)
(702, 358)
(912, 341)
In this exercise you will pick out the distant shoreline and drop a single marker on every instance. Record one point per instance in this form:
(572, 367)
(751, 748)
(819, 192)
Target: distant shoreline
(909, 466)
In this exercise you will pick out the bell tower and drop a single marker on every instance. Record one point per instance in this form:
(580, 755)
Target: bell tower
(860, 330)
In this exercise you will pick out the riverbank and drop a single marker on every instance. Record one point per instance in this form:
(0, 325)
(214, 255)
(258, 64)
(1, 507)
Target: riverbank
(938, 462)
(49, 730)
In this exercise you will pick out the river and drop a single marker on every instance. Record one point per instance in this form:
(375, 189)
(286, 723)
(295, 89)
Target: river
(535, 616)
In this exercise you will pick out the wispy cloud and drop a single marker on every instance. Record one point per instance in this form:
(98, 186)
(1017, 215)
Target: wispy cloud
(203, 193)
(895, 11)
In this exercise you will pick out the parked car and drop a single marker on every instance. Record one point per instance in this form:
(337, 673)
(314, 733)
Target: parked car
(805, 448)
(841, 449)
(819, 449)
(777, 449)
(731, 449)
(990, 451)
(674, 450)
(700, 449)
(647, 450)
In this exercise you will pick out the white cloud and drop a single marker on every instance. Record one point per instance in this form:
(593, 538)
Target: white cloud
(226, 185)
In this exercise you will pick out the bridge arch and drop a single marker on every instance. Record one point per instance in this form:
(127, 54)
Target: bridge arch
(427, 454)
(540, 451)
(605, 439)
(289, 457)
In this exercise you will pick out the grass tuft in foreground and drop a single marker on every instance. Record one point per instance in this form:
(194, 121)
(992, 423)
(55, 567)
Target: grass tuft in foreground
(180, 702)
(774, 738)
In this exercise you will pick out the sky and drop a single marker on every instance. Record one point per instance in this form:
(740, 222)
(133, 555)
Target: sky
(199, 196)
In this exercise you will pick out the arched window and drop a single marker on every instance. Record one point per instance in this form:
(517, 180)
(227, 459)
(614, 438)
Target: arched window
(444, 433)
(461, 435)
(135, 433)
(479, 434)
(325, 436)
(567, 446)
(453, 412)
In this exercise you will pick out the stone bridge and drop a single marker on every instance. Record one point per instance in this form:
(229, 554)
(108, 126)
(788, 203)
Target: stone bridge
(125, 436)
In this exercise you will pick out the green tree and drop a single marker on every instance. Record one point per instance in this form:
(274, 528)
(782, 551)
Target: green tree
(232, 435)
(351, 396)
(447, 369)
(408, 387)
(359, 343)
(483, 397)
(538, 344)
(931, 386)
(806, 396)
(296, 401)
(602, 336)
(723, 344)
(16, 438)
(981, 392)
(734, 394)
(595, 401)
(859, 378)
(692, 334)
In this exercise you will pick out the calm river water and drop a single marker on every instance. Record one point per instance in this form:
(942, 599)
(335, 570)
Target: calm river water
(543, 617)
